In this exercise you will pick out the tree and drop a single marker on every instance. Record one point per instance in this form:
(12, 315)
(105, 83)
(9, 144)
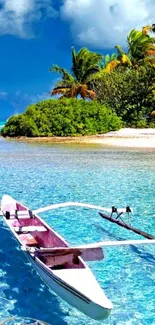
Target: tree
(106, 64)
(130, 93)
(141, 46)
(84, 64)
(141, 49)
(113, 62)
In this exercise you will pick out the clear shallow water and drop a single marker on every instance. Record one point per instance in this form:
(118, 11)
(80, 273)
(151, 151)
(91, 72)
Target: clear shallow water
(40, 175)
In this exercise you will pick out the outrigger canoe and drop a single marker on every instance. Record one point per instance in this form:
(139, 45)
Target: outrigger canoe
(61, 267)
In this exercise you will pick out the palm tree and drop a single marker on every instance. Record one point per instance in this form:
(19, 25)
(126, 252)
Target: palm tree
(84, 65)
(141, 49)
(151, 47)
(141, 46)
(110, 63)
(123, 57)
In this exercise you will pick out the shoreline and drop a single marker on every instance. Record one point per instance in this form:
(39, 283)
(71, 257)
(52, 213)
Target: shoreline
(129, 138)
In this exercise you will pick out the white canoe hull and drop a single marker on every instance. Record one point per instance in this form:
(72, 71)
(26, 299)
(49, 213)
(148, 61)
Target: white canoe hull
(71, 295)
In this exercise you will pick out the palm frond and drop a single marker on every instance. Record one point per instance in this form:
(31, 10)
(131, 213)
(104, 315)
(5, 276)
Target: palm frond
(134, 35)
(112, 65)
(59, 90)
(77, 63)
(107, 59)
(84, 63)
(89, 73)
(65, 75)
(125, 60)
(113, 56)
(145, 29)
(120, 51)
(122, 56)
(57, 69)
(91, 94)
(140, 44)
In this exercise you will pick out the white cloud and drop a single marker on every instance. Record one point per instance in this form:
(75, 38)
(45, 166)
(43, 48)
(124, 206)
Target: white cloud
(19, 7)
(106, 23)
(17, 16)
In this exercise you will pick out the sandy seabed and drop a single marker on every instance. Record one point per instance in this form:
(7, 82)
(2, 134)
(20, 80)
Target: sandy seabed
(127, 137)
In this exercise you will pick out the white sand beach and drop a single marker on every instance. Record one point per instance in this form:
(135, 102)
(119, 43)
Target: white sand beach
(126, 137)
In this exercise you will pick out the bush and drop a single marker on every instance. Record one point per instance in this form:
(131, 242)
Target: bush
(67, 117)
(20, 125)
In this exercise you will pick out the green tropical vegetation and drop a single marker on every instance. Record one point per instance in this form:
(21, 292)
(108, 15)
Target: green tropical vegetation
(98, 94)
(60, 118)
(84, 64)
(131, 94)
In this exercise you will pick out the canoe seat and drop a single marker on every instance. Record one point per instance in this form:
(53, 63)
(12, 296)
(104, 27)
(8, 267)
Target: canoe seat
(28, 239)
(30, 229)
(24, 214)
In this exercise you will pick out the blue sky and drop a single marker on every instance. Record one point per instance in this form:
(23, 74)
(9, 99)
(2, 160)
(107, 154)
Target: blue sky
(34, 34)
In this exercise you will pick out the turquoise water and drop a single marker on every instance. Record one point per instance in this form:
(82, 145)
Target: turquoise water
(39, 175)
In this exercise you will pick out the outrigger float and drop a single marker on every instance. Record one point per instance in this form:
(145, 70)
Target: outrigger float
(61, 266)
